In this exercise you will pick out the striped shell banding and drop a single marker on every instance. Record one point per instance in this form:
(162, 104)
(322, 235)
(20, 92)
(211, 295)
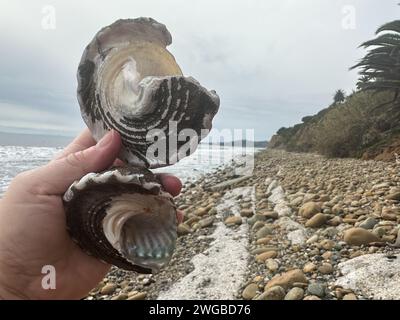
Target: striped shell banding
(128, 81)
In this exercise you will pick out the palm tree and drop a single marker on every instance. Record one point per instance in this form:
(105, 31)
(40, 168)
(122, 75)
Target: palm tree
(339, 97)
(380, 68)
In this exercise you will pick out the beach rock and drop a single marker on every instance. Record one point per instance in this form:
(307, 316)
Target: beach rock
(233, 220)
(273, 293)
(137, 296)
(312, 298)
(266, 255)
(327, 244)
(109, 288)
(257, 226)
(312, 239)
(257, 217)
(121, 296)
(201, 211)
(337, 209)
(317, 289)
(204, 223)
(277, 195)
(295, 294)
(270, 214)
(296, 202)
(309, 209)
(250, 291)
(262, 241)
(335, 221)
(316, 221)
(273, 184)
(327, 255)
(246, 213)
(326, 268)
(272, 265)
(183, 229)
(263, 232)
(287, 279)
(297, 236)
(309, 267)
(282, 209)
(373, 275)
(368, 223)
(288, 224)
(397, 243)
(393, 196)
(379, 231)
(350, 296)
(359, 236)
(382, 185)
(263, 249)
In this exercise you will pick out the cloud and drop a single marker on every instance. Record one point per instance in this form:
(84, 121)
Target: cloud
(272, 62)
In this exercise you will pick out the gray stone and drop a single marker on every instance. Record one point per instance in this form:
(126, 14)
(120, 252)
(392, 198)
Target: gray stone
(368, 223)
(273, 293)
(255, 218)
(317, 289)
(297, 236)
(250, 291)
(295, 294)
(263, 232)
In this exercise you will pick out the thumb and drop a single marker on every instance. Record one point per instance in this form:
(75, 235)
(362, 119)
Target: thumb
(59, 174)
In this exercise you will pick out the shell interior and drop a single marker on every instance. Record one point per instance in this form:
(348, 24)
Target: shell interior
(142, 228)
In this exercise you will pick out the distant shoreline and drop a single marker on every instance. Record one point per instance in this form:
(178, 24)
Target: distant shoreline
(33, 140)
(53, 141)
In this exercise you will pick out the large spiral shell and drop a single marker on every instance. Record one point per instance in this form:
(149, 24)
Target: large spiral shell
(128, 81)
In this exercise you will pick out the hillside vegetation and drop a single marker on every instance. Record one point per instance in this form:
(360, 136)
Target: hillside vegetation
(362, 126)
(365, 124)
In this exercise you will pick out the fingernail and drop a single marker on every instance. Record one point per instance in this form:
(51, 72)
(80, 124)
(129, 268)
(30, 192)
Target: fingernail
(106, 140)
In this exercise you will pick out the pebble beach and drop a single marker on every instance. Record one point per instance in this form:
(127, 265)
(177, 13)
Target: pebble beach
(301, 227)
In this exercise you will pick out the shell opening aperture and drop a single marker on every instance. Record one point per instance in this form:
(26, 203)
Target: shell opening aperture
(141, 228)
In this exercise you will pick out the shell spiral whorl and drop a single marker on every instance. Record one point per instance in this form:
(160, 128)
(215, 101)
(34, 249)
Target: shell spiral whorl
(128, 81)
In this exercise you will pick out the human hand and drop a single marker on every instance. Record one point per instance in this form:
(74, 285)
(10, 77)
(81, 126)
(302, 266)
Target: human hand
(33, 224)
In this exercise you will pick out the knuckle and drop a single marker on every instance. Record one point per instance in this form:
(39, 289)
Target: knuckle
(77, 160)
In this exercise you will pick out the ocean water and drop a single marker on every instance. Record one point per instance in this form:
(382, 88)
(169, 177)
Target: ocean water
(207, 158)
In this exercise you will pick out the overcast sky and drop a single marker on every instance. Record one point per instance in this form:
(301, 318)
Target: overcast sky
(271, 61)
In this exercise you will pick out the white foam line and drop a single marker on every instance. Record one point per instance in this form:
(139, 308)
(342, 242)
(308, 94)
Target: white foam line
(221, 270)
(297, 234)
